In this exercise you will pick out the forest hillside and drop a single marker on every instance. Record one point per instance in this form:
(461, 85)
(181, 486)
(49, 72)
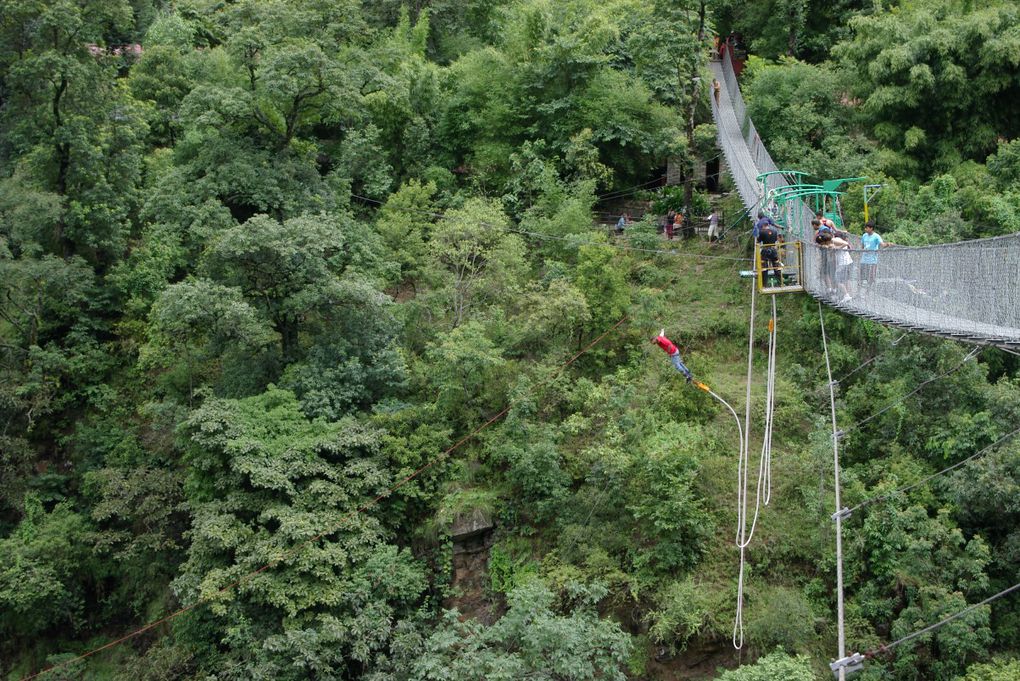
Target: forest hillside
(321, 356)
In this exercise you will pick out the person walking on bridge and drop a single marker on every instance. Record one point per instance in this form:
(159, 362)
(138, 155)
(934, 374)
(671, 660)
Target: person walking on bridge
(674, 354)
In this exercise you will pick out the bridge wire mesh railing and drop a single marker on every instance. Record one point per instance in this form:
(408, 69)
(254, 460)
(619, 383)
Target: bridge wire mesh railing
(961, 290)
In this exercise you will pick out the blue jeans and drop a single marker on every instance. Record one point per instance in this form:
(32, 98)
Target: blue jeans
(678, 363)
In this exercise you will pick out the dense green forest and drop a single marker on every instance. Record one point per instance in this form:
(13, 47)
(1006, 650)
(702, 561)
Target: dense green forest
(267, 267)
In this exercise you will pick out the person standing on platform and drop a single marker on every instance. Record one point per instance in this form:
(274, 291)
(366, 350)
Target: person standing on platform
(768, 236)
(761, 222)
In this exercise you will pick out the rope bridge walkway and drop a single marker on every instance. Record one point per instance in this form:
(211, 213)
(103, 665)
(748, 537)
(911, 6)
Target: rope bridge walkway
(964, 291)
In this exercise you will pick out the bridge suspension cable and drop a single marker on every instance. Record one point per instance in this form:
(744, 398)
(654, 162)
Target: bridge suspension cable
(855, 662)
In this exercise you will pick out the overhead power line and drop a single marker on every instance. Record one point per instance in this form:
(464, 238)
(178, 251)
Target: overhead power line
(864, 364)
(541, 235)
(932, 627)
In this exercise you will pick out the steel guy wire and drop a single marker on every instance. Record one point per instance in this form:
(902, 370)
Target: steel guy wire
(947, 469)
(947, 620)
(970, 355)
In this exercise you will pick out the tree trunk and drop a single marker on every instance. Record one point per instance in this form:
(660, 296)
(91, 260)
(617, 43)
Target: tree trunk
(62, 151)
(288, 339)
(692, 107)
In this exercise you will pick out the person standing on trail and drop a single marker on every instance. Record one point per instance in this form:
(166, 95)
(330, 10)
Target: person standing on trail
(713, 225)
(871, 241)
(622, 223)
(675, 225)
(674, 354)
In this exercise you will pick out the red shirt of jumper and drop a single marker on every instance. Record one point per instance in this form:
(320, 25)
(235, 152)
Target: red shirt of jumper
(667, 345)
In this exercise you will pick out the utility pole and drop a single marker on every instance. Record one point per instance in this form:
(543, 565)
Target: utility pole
(840, 511)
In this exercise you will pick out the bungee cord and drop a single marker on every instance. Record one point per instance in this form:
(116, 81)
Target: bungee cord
(770, 404)
(763, 492)
(742, 465)
(763, 489)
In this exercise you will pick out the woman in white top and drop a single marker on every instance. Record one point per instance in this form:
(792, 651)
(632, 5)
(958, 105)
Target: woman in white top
(844, 265)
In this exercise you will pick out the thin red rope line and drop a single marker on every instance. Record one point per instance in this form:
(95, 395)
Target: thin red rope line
(343, 521)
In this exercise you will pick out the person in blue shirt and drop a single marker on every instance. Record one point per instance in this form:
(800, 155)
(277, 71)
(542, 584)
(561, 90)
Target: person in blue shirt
(762, 221)
(871, 241)
(622, 223)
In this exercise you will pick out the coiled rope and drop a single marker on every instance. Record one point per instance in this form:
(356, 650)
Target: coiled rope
(763, 489)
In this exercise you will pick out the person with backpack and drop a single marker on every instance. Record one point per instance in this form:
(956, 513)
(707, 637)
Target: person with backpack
(761, 222)
(768, 236)
(674, 354)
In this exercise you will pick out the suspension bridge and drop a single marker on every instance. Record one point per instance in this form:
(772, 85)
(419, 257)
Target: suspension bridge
(963, 291)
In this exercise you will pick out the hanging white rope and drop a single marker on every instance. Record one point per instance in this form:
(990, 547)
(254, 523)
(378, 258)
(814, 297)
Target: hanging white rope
(743, 464)
(770, 405)
(763, 490)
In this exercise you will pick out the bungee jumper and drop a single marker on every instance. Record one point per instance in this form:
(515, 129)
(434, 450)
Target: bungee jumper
(674, 354)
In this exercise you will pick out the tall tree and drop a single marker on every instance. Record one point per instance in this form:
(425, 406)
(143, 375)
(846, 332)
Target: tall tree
(267, 486)
(929, 74)
(66, 125)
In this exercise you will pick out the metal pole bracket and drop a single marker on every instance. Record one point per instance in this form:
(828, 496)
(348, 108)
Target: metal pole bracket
(849, 664)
